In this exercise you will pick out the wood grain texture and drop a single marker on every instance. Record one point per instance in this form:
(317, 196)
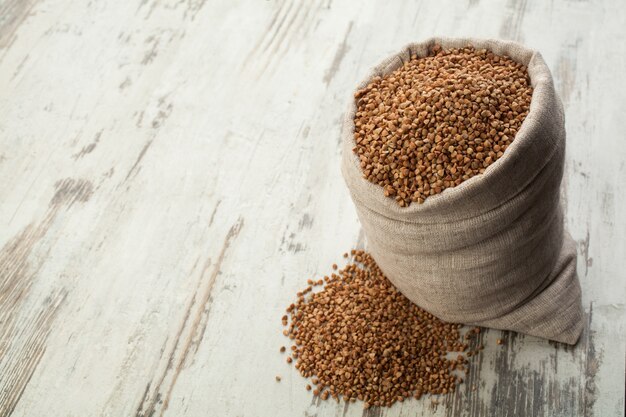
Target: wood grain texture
(169, 178)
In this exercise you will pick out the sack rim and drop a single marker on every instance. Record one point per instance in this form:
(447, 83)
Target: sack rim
(542, 83)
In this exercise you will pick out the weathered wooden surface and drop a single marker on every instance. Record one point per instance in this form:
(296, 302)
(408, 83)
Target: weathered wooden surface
(169, 177)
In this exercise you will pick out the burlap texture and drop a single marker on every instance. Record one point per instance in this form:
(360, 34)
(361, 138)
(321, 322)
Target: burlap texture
(491, 251)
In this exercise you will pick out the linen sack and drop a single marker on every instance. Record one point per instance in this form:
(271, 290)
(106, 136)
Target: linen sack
(491, 251)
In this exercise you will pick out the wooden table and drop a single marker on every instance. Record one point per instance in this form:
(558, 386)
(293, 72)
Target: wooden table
(169, 178)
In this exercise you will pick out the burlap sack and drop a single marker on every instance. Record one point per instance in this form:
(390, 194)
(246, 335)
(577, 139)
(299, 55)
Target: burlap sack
(492, 251)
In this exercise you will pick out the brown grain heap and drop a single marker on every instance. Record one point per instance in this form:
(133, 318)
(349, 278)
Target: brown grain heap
(438, 120)
(360, 338)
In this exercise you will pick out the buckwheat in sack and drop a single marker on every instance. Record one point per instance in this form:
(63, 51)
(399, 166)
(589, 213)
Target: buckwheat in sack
(491, 251)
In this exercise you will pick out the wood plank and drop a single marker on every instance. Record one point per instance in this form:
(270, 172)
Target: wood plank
(169, 178)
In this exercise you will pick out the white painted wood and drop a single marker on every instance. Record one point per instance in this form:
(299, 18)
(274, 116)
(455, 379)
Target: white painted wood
(169, 177)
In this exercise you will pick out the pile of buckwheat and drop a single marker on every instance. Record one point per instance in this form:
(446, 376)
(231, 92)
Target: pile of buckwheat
(438, 120)
(357, 337)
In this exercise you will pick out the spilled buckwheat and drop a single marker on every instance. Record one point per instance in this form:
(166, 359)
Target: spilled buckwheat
(358, 337)
(438, 120)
